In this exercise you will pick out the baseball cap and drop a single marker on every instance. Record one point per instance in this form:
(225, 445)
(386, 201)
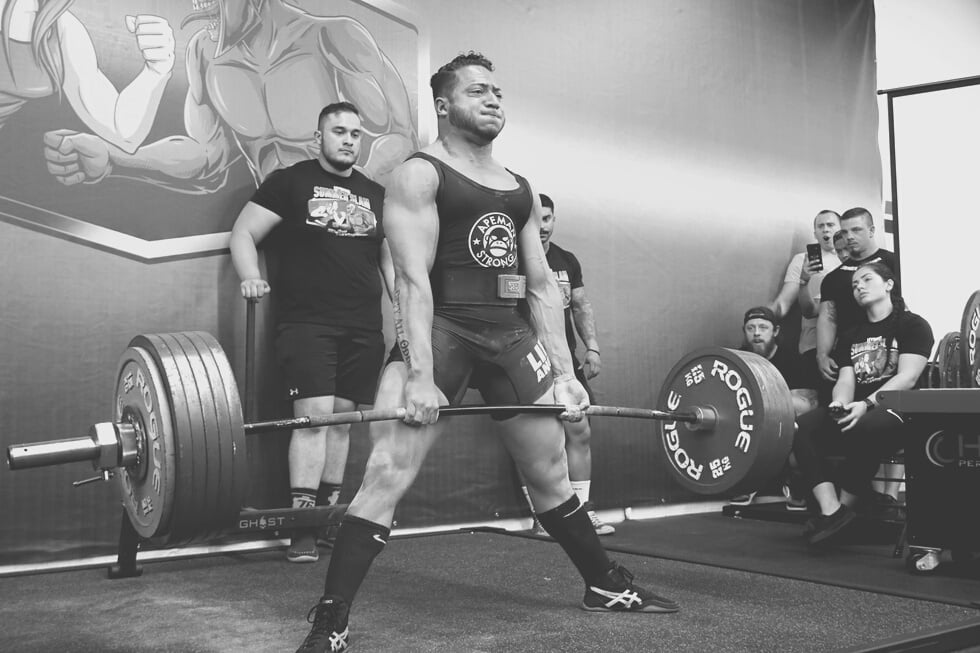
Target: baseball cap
(760, 313)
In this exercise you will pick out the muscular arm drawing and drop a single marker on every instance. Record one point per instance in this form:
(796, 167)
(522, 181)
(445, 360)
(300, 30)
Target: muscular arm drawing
(195, 163)
(366, 77)
(121, 118)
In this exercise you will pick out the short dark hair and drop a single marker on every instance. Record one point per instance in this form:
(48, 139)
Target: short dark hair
(838, 235)
(336, 107)
(858, 212)
(444, 78)
(823, 211)
(546, 201)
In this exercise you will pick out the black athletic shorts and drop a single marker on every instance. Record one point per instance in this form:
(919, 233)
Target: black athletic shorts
(323, 361)
(501, 357)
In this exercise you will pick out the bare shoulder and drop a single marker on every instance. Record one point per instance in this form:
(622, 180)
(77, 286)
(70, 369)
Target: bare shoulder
(413, 180)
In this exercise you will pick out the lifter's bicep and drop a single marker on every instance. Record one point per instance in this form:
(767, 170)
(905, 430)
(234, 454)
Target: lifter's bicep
(411, 218)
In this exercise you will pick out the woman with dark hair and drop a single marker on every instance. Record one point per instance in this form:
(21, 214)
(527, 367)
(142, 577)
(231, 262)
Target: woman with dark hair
(887, 351)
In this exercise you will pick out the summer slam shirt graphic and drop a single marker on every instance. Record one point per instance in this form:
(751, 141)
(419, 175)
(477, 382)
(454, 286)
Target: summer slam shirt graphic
(341, 212)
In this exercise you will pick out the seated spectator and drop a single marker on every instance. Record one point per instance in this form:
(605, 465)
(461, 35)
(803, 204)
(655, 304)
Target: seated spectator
(760, 329)
(887, 350)
(760, 326)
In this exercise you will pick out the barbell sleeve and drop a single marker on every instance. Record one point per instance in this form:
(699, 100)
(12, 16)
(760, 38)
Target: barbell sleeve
(52, 452)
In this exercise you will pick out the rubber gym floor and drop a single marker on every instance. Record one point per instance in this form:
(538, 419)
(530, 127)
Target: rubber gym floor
(743, 585)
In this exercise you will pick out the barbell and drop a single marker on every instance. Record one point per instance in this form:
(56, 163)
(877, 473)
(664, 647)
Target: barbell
(176, 442)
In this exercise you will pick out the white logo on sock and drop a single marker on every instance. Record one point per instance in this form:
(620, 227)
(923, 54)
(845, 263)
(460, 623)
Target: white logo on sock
(378, 538)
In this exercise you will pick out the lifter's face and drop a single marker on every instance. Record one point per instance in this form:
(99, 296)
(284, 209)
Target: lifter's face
(760, 335)
(474, 104)
(339, 138)
(547, 224)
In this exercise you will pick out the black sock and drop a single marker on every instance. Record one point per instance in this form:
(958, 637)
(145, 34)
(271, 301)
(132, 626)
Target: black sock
(328, 494)
(303, 497)
(358, 542)
(571, 527)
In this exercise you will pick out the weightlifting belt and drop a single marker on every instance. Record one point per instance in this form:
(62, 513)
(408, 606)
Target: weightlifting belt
(470, 286)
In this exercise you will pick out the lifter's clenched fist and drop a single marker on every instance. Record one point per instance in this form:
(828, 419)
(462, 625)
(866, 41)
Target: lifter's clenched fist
(570, 392)
(421, 401)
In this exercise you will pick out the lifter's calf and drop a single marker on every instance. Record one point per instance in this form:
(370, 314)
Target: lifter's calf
(547, 481)
(578, 437)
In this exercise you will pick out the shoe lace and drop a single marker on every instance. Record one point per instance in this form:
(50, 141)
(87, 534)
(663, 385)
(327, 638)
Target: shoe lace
(323, 617)
(625, 573)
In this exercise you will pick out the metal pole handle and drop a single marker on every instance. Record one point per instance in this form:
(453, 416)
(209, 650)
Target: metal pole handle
(250, 386)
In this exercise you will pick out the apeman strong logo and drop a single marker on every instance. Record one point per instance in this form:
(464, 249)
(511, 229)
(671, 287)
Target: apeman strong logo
(493, 241)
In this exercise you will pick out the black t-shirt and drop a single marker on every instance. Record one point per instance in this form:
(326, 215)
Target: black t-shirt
(836, 287)
(872, 348)
(327, 245)
(792, 368)
(568, 273)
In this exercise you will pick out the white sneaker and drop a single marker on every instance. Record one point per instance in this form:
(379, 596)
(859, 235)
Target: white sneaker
(538, 529)
(601, 527)
(742, 499)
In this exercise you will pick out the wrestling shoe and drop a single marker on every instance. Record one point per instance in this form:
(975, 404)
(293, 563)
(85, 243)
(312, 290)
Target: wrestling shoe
(618, 594)
(329, 633)
(302, 547)
(601, 527)
(828, 526)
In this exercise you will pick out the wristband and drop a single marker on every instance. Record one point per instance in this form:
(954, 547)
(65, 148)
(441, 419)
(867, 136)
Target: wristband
(870, 404)
(595, 351)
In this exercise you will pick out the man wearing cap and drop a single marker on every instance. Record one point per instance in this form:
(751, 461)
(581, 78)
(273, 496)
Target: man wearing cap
(761, 329)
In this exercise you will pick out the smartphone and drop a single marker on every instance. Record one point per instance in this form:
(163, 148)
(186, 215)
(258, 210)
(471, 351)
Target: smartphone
(814, 255)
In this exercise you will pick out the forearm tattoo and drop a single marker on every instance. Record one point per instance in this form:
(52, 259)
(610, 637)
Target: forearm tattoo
(584, 321)
(400, 336)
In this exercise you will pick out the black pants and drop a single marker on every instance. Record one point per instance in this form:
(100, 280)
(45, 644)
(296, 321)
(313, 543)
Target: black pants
(878, 434)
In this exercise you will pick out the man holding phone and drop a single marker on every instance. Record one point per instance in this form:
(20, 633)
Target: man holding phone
(802, 281)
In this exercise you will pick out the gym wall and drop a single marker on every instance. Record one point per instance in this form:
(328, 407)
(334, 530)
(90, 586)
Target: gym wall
(687, 145)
